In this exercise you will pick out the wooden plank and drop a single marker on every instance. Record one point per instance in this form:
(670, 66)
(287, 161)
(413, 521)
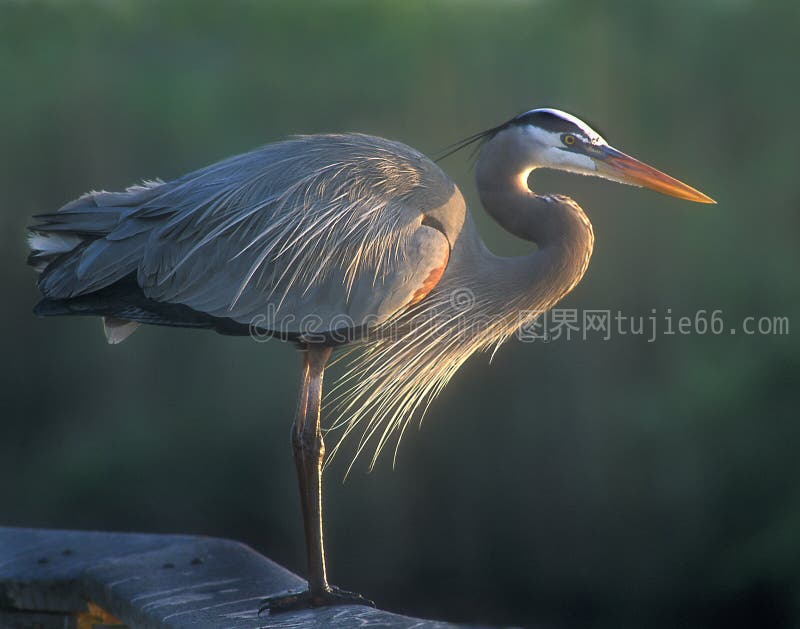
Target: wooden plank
(158, 582)
(35, 620)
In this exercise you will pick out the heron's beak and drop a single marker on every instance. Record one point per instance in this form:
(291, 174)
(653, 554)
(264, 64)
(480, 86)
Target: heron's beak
(618, 166)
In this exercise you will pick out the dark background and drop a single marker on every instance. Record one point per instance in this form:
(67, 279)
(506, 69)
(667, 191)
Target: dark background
(596, 483)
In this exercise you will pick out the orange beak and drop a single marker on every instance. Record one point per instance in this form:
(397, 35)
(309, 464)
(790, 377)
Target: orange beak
(623, 168)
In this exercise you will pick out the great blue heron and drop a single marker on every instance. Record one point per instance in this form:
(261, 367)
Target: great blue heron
(333, 241)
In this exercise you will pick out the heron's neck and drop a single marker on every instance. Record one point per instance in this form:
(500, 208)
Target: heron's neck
(555, 223)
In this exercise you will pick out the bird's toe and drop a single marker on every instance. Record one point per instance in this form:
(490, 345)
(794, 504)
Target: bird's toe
(291, 601)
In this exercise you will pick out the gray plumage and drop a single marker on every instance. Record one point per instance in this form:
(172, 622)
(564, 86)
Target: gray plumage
(274, 235)
(334, 239)
(339, 241)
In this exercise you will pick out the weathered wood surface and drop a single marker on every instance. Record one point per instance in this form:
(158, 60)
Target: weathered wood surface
(156, 582)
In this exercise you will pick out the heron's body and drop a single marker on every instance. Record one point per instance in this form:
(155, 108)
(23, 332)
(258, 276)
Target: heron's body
(326, 226)
(335, 240)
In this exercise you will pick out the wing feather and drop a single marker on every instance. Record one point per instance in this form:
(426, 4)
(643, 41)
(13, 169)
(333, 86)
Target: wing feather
(326, 228)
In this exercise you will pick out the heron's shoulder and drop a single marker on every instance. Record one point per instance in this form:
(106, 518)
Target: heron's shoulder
(377, 163)
(357, 145)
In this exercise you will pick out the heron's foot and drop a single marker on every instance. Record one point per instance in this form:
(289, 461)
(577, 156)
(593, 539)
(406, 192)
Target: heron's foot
(292, 601)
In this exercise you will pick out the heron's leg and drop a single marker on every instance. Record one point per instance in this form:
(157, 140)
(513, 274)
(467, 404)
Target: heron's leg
(309, 452)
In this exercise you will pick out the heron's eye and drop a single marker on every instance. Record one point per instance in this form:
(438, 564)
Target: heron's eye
(568, 139)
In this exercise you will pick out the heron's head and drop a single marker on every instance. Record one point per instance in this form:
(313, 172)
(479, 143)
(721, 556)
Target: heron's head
(555, 139)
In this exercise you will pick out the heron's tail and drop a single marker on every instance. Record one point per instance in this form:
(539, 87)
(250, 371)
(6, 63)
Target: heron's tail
(80, 223)
(74, 260)
(47, 246)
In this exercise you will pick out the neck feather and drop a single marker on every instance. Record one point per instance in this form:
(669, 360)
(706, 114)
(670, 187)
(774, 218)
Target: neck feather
(555, 223)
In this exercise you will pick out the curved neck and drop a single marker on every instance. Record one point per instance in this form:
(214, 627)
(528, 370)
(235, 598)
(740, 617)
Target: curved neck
(502, 173)
(555, 223)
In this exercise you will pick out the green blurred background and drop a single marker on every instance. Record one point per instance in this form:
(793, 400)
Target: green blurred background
(597, 483)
